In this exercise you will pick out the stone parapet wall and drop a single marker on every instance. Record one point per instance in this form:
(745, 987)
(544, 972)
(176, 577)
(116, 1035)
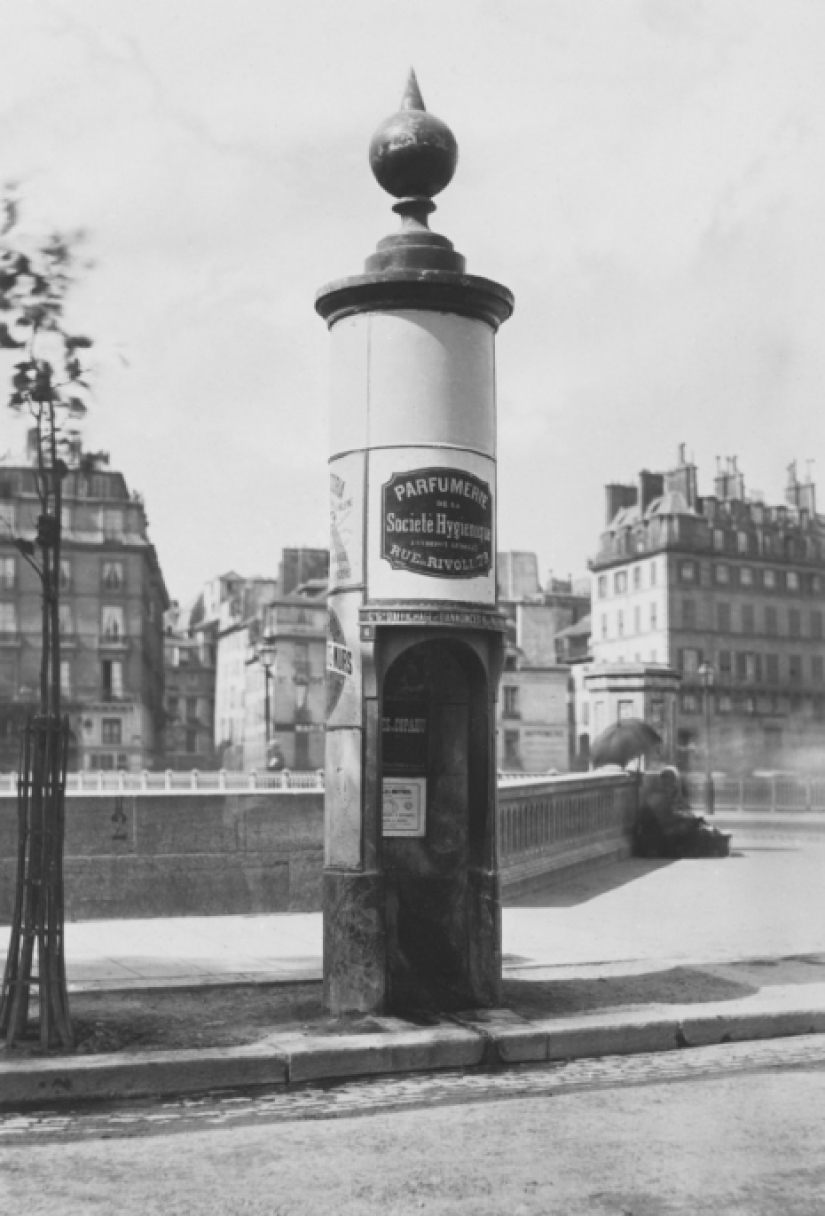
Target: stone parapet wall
(222, 854)
(133, 855)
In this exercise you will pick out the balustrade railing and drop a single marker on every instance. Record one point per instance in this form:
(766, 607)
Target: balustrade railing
(770, 793)
(551, 816)
(169, 782)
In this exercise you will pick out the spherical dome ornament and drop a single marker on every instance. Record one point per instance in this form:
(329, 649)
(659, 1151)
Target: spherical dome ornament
(413, 152)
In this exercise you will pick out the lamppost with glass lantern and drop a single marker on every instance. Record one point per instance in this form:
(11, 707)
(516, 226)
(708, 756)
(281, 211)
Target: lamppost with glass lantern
(707, 675)
(265, 654)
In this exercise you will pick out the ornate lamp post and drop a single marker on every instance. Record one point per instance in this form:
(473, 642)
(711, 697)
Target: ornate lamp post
(707, 674)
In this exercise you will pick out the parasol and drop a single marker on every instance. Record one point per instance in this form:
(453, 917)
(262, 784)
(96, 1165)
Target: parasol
(624, 741)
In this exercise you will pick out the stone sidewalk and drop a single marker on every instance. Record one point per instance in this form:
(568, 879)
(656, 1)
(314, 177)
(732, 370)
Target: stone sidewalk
(667, 954)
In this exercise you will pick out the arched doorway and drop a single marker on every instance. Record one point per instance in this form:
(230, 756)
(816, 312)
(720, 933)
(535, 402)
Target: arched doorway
(438, 838)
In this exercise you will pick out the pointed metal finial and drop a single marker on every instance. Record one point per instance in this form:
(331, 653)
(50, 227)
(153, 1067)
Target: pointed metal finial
(412, 99)
(413, 153)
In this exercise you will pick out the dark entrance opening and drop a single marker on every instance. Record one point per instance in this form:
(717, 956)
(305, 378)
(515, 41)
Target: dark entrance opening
(438, 828)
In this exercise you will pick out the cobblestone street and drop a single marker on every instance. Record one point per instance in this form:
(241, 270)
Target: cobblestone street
(726, 1129)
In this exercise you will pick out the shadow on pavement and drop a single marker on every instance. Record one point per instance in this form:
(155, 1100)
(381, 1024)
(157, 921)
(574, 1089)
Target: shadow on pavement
(565, 891)
(676, 986)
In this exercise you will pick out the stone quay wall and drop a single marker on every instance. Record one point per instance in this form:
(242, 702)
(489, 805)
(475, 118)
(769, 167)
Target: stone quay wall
(141, 854)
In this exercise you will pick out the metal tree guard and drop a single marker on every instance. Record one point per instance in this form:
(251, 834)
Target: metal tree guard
(38, 908)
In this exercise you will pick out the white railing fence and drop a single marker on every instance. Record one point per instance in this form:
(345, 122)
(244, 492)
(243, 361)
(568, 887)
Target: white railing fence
(775, 792)
(169, 782)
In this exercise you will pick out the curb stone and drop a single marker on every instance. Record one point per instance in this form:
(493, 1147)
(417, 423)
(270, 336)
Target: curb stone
(465, 1041)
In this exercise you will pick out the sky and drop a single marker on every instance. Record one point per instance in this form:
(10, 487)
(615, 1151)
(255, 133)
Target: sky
(647, 176)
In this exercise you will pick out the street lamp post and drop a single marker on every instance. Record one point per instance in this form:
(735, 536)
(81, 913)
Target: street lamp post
(266, 657)
(265, 654)
(707, 675)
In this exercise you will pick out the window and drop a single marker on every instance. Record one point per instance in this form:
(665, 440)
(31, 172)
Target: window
(771, 626)
(769, 580)
(65, 574)
(745, 576)
(689, 614)
(620, 582)
(724, 703)
(687, 572)
(748, 625)
(637, 578)
(604, 625)
(653, 615)
(65, 619)
(8, 618)
(792, 580)
(191, 740)
(772, 668)
(192, 707)
(794, 667)
(112, 679)
(818, 669)
(102, 760)
(111, 731)
(653, 574)
(816, 584)
(66, 677)
(172, 707)
(512, 758)
(113, 576)
(586, 713)
(625, 710)
(724, 660)
(690, 661)
(602, 587)
(689, 703)
(741, 662)
(8, 573)
(742, 542)
(637, 620)
(816, 624)
(718, 540)
(620, 622)
(113, 523)
(112, 622)
(723, 617)
(723, 575)
(794, 622)
(511, 709)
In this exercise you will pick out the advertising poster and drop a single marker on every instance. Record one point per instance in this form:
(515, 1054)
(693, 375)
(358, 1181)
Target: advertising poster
(344, 661)
(431, 525)
(405, 806)
(346, 520)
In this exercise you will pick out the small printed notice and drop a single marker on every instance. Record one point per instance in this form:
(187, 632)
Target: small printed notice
(405, 806)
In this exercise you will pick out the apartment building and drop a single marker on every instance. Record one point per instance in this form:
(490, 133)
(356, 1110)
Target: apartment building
(113, 598)
(727, 589)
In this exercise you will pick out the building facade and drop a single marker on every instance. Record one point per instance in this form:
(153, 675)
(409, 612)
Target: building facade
(729, 592)
(113, 599)
(273, 718)
(533, 708)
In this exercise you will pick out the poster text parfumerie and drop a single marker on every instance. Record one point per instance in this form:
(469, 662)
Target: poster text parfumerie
(438, 522)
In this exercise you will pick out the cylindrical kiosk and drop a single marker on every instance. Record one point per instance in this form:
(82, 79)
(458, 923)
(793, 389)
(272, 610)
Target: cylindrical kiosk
(412, 915)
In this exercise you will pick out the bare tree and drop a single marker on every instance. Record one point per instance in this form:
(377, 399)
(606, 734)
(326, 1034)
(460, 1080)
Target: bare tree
(47, 381)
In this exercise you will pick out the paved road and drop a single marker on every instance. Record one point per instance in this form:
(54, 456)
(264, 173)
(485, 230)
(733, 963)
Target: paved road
(727, 1129)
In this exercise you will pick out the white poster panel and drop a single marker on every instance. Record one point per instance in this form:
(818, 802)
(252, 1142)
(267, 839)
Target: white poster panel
(431, 531)
(344, 660)
(346, 520)
(342, 800)
(404, 806)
